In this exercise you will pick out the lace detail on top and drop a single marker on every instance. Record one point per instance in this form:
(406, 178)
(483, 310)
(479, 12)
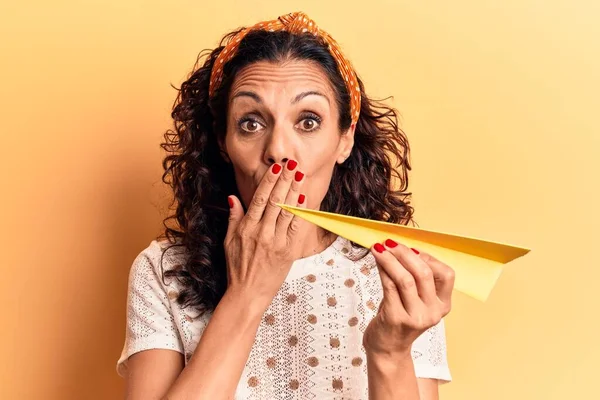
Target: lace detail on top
(309, 342)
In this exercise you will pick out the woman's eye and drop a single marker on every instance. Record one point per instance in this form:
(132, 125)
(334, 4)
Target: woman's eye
(251, 126)
(309, 124)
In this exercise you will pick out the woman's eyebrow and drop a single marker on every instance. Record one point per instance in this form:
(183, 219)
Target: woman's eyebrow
(252, 95)
(309, 93)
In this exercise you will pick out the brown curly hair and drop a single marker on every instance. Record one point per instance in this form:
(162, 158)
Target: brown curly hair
(371, 183)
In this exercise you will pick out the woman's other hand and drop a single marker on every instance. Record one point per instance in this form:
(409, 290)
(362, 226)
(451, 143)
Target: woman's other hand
(260, 245)
(417, 291)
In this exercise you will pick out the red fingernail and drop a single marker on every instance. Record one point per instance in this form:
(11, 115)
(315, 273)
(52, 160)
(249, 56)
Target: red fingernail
(415, 250)
(379, 248)
(390, 243)
(276, 168)
(291, 164)
(301, 199)
(299, 175)
(230, 200)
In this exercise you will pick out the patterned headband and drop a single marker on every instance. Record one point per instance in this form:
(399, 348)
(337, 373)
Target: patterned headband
(296, 23)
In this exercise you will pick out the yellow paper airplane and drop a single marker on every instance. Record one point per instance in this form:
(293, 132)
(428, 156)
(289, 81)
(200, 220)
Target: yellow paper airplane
(477, 263)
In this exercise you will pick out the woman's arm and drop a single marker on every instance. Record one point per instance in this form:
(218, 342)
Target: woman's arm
(428, 389)
(150, 373)
(395, 379)
(417, 291)
(259, 252)
(392, 377)
(216, 366)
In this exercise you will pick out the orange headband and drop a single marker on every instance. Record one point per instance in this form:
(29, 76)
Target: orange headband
(296, 23)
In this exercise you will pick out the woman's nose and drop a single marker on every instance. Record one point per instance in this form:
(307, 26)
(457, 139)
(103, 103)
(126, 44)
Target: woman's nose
(278, 148)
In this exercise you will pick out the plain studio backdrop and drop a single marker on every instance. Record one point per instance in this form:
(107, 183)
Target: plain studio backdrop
(500, 103)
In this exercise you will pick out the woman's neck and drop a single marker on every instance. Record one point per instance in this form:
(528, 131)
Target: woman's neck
(317, 240)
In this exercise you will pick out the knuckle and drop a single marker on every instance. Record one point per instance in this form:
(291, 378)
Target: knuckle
(407, 282)
(282, 252)
(446, 308)
(272, 178)
(259, 200)
(262, 240)
(274, 200)
(418, 322)
(286, 214)
(263, 243)
(245, 235)
(264, 237)
(294, 225)
(449, 275)
(424, 273)
(242, 227)
(286, 176)
(389, 286)
(426, 320)
(426, 257)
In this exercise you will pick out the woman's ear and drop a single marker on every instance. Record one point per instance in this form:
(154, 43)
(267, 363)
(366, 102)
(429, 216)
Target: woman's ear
(346, 144)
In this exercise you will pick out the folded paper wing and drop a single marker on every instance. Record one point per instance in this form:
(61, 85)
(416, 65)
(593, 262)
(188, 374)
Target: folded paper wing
(477, 263)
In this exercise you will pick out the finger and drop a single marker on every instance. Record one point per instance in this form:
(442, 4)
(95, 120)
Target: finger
(262, 193)
(297, 224)
(391, 295)
(236, 213)
(418, 268)
(278, 194)
(293, 195)
(403, 279)
(443, 276)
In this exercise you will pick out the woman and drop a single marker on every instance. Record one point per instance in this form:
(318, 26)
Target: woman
(251, 302)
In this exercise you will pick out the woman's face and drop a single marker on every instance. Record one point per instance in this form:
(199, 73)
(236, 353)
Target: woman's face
(284, 111)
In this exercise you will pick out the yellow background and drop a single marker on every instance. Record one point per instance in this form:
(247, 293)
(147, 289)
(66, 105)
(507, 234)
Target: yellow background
(500, 102)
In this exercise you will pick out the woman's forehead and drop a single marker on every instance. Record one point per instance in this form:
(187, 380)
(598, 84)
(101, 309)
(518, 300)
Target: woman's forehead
(290, 76)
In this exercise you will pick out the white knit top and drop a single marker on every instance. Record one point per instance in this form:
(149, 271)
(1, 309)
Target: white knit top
(309, 343)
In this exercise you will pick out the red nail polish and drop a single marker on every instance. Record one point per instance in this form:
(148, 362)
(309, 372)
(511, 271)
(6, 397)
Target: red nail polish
(390, 243)
(291, 164)
(301, 199)
(276, 168)
(230, 200)
(299, 175)
(379, 248)
(415, 250)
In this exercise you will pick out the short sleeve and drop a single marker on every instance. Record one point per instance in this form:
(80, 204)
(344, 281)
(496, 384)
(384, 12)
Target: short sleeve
(150, 322)
(429, 354)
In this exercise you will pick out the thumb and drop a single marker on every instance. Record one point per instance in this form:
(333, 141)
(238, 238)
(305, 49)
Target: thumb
(236, 213)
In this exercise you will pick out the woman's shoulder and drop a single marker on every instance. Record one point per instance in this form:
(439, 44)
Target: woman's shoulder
(158, 247)
(158, 256)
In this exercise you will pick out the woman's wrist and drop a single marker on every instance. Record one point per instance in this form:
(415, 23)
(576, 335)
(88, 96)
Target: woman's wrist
(252, 306)
(375, 347)
(391, 376)
(389, 362)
